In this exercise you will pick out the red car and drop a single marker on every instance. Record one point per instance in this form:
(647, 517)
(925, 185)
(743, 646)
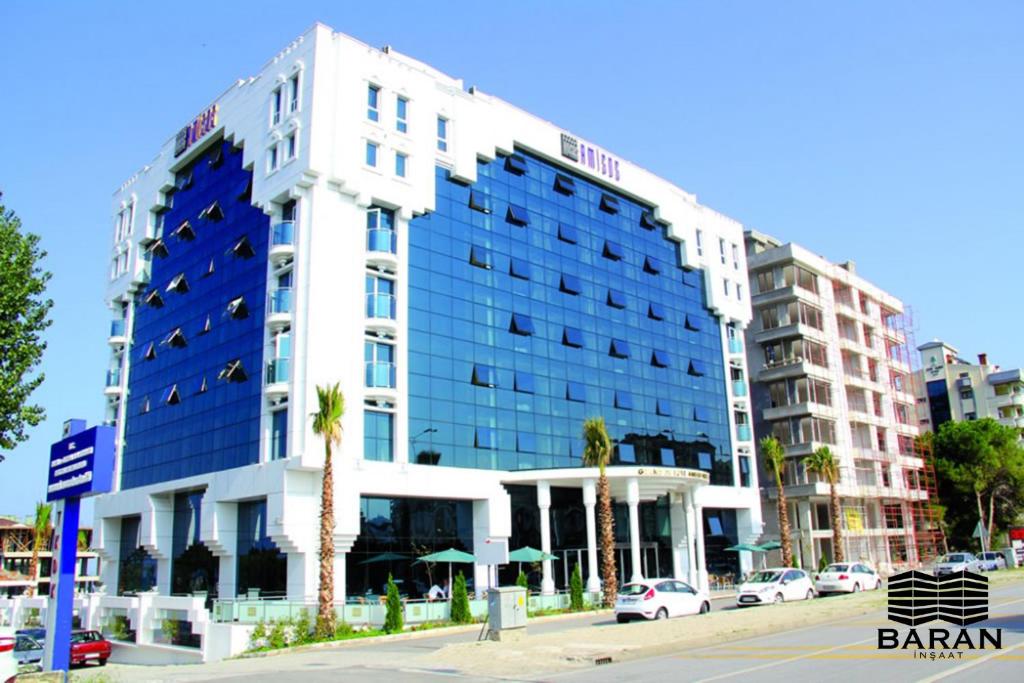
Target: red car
(89, 646)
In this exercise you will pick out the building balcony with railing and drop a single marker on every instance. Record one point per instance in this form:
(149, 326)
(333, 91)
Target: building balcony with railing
(278, 376)
(381, 311)
(282, 241)
(279, 306)
(118, 332)
(113, 386)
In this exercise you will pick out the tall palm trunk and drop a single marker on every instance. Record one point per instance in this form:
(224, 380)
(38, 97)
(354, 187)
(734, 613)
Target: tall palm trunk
(325, 614)
(609, 579)
(838, 555)
(33, 567)
(787, 544)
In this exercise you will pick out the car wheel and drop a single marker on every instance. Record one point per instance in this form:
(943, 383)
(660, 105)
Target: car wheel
(103, 662)
(856, 588)
(810, 595)
(662, 614)
(705, 607)
(621, 618)
(779, 599)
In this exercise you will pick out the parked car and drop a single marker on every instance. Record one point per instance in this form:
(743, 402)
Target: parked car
(89, 646)
(956, 562)
(847, 577)
(992, 561)
(36, 634)
(27, 650)
(659, 599)
(774, 586)
(8, 664)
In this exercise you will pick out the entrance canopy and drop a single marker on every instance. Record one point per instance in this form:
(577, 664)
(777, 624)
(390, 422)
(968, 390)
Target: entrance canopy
(653, 482)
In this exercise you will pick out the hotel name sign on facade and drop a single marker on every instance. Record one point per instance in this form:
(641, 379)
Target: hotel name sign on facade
(590, 157)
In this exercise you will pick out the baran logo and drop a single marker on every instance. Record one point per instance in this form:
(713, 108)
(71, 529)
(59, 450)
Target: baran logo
(960, 598)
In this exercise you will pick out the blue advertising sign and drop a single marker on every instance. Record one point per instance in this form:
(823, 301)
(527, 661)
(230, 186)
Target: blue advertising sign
(82, 464)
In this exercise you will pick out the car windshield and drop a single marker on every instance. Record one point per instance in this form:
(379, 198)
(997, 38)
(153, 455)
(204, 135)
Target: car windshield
(764, 577)
(955, 557)
(838, 568)
(633, 589)
(989, 556)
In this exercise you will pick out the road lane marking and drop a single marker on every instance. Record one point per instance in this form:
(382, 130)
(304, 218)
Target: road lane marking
(794, 658)
(970, 665)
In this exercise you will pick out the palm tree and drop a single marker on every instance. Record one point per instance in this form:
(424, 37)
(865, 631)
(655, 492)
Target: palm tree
(42, 530)
(774, 456)
(327, 424)
(597, 452)
(824, 463)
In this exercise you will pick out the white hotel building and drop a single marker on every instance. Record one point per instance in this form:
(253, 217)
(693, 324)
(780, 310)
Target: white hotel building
(478, 280)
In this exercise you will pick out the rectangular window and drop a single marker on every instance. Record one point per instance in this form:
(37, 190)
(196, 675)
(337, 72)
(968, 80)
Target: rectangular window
(279, 435)
(744, 470)
(519, 268)
(618, 348)
(516, 164)
(572, 337)
(402, 114)
(524, 383)
(623, 400)
(721, 248)
(485, 376)
(272, 160)
(697, 368)
(517, 215)
(380, 364)
(704, 460)
(276, 98)
(612, 250)
(765, 281)
(526, 442)
(486, 438)
(725, 286)
(442, 133)
(380, 297)
(659, 359)
(371, 153)
(609, 204)
(616, 299)
(655, 311)
(378, 436)
(293, 93)
(570, 284)
(575, 391)
(739, 292)
(700, 242)
(291, 147)
(701, 414)
(735, 257)
(373, 102)
(664, 407)
(668, 457)
(480, 257)
(521, 325)
(627, 454)
(400, 161)
(565, 185)
(567, 233)
(693, 323)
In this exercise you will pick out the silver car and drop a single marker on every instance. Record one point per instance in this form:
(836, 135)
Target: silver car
(956, 562)
(27, 650)
(992, 561)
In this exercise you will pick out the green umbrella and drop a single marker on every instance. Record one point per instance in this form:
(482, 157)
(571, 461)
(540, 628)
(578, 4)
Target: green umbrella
(385, 557)
(450, 556)
(528, 554)
(745, 547)
(771, 545)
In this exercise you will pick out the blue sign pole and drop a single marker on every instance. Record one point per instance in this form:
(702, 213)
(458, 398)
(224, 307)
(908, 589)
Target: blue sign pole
(81, 464)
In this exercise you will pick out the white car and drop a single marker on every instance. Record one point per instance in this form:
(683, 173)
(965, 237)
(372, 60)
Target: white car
(957, 562)
(847, 577)
(659, 599)
(992, 561)
(774, 586)
(8, 664)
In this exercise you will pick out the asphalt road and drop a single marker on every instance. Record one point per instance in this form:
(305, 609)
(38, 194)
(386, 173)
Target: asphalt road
(839, 651)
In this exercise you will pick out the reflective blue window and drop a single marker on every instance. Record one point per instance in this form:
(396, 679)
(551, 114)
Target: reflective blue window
(701, 414)
(479, 202)
(380, 364)
(521, 324)
(400, 163)
(480, 257)
(668, 457)
(442, 133)
(486, 438)
(378, 436)
(380, 297)
(647, 221)
(570, 284)
(373, 103)
(371, 153)
(616, 299)
(691, 278)
(279, 434)
(575, 391)
(519, 268)
(618, 348)
(697, 368)
(485, 376)
(627, 454)
(664, 407)
(704, 461)
(564, 184)
(526, 442)
(517, 215)
(515, 164)
(572, 337)
(567, 233)
(693, 323)
(651, 266)
(659, 359)
(612, 250)
(623, 400)
(524, 382)
(401, 114)
(655, 311)
(609, 203)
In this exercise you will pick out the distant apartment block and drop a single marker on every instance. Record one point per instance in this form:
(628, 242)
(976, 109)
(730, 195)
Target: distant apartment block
(830, 366)
(16, 541)
(952, 388)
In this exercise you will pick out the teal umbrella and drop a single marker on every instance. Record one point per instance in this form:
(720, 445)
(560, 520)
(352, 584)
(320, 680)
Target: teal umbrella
(528, 554)
(771, 545)
(385, 557)
(745, 547)
(450, 556)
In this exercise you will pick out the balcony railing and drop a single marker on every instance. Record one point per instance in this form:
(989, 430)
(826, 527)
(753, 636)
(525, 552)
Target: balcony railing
(117, 327)
(743, 432)
(278, 370)
(735, 346)
(280, 301)
(380, 374)
(381, 240)
(282, 234)
(113, 378)
(380, 306)
(739, 388)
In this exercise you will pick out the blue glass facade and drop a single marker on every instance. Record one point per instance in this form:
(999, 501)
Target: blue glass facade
(539, 298)
(194, 389)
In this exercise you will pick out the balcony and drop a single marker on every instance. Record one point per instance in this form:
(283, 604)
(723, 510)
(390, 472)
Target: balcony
(381, 247)
(743, 432)
(113, 385)
(279, 307)
(380, 311)
(739, 388)
(380, 375)
(735, 346)
(278, 375)
(118, 332)
(282, 242)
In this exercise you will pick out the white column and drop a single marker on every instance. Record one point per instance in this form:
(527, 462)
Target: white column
(691, 539)
(589, 503)
(633, 500)
(547, 583)
(702, 569)
(677, 522)
(805, 524)
(342, 544)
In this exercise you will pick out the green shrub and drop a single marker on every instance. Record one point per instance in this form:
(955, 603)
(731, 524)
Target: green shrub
(522, 582)
(576, 589)
(393, 618)
(822, 562)
(258, 638)
(278, 637)
(460, 602)
(303, 629)
(343, 630)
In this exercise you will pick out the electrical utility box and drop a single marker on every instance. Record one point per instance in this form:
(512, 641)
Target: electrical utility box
(506, 608)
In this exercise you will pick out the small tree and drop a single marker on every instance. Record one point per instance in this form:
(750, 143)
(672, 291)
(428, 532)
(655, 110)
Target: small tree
(824, 463)
(774, 456)
(522, 582)
(41, 540)
(460, 601)
(393, 618)
(576, 589)
(597, 452)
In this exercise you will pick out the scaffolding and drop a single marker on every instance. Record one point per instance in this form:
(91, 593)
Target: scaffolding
(925, 539)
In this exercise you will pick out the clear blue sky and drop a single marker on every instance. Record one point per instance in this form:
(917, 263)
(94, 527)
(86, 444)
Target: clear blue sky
(889, 133)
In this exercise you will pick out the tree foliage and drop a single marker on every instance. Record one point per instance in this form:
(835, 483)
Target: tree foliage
(597, 452)
(24, 314)
(979, 465)
(460, 613)
(42, 529)
(576, 589)
(393, 616)
(823, 462)
(774, 457)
